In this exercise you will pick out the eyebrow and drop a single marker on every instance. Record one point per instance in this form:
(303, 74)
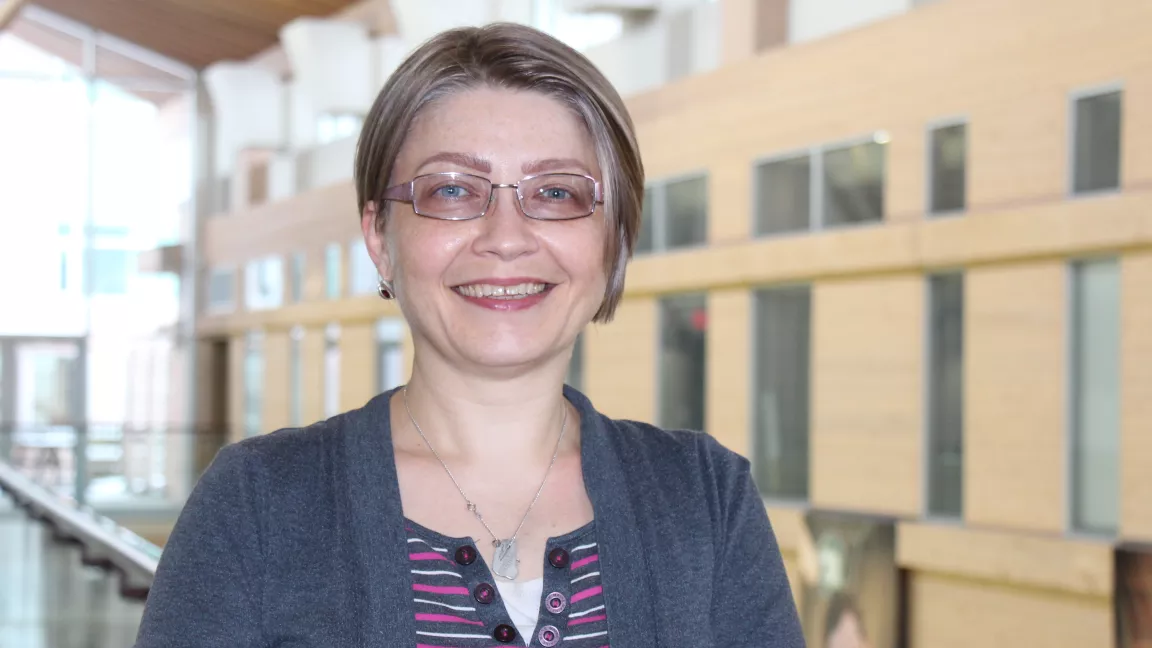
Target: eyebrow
(553, 164)
(473, 162)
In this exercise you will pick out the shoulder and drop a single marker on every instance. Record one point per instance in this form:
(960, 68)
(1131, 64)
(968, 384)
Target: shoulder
(675, 453)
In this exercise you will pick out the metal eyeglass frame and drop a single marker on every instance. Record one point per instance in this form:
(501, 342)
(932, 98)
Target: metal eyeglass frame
(405, 192)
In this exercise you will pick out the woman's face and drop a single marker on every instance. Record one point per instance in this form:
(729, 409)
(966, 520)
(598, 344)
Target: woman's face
(445, 272)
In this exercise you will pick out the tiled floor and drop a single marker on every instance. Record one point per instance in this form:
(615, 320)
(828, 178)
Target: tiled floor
(48, 599)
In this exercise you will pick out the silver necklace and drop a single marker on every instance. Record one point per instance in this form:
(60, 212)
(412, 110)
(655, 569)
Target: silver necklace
(506, 563)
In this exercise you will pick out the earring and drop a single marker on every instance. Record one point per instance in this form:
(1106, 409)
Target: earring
(384, 289)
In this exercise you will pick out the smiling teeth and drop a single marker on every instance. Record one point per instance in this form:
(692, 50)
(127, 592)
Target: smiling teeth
(519, 291)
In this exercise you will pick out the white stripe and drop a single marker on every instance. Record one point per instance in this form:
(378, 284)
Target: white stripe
(583, 547)
(411, 540)
(438, 573)
(459, 608)
(580, 578)
(584, 636)
(457, 636)
(575, 615)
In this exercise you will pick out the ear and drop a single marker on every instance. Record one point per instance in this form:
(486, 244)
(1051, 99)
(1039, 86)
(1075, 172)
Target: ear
(375, 240)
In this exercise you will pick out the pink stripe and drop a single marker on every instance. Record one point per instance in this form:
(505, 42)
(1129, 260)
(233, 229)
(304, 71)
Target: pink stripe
(440, 589)
(580, 596)
(585, 561)
(576, 622)
(427, 555)
(446, 618)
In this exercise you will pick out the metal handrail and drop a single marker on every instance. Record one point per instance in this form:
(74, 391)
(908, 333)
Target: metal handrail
(104, 542)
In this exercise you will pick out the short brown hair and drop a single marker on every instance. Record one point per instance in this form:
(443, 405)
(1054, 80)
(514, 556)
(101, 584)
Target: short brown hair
(514, 57)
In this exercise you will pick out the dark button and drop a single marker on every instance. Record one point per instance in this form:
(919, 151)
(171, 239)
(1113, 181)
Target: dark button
(549, 636)
(484, 593)
(555, 603)
(466, 555)
(558, 557)
(504, 633)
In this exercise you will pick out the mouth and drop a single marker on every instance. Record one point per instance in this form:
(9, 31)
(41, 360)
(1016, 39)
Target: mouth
(511, 292)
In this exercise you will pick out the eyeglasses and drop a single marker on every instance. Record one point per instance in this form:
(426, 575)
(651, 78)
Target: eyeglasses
(462, 196)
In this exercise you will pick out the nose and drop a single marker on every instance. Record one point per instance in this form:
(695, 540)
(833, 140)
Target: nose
(504, 230)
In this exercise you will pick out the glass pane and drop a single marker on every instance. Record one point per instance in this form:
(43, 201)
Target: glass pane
(253, 384)
(949, 168)
(576, 364)
(332, 372)
(783, 198)
(781, 397)
(1096, 396)
(295, 378)
(946, 396)
(332, 276)
(297, 286)
(686, 213)
(1097, 143)
(645, 241)
(683, 363)
(364, 277)
(854, 184)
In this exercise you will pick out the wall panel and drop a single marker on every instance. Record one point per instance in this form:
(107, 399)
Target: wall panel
(1136, 398)
(730, 361)
(621, 361)
(1015, 388)
(867, 412)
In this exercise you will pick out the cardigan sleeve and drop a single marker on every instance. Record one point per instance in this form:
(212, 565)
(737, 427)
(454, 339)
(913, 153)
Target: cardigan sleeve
(752, 605)
(206, 592)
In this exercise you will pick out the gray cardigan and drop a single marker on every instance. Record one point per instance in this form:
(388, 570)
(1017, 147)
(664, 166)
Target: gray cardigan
(291, 539)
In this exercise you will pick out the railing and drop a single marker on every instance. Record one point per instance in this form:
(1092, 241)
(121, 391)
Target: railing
(83, 480)
(103, 542)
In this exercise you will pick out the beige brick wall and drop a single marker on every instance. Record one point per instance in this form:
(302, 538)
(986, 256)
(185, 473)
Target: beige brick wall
(1014, 410)
(867, 363)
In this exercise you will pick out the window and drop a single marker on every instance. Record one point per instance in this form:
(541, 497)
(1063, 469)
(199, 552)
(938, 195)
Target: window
(390, 354)
(110, 270)
(782, 343)
(264, 283)
(333, 277)
(332, 370)
(946, 395)
(336, 126)
(675, 215)
(253, 383)
(221, 290)
(682, 370)
(295, 377)
(949, 169)
(784, 195)
(824, 188)
(1096, 142)
(575, 376)
(1095, 398)
(854, 184)
(364, 277)
(296, 283)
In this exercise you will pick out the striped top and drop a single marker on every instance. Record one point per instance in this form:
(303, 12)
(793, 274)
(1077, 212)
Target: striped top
(458, 604)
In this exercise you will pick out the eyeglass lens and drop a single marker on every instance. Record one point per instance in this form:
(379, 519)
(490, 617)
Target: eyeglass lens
(555, 196)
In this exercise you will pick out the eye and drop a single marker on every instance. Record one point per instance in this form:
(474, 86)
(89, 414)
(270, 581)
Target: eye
(450, 192)
(555, 193)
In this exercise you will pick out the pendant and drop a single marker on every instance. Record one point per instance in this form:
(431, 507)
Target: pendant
(505, 564)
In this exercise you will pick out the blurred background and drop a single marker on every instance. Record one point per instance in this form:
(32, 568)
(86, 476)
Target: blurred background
(898, 253)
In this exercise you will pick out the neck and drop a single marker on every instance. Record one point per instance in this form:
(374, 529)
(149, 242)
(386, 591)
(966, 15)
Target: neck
(509, 420)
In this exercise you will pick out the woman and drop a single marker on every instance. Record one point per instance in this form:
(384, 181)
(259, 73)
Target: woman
(499, 185)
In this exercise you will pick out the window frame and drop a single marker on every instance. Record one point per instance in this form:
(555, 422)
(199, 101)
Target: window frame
(658, 341)
(816, 184)
(779, 501)
(1071, 407)
(929, 167)
(926, 387)
(659, 209)
(1077, 94)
